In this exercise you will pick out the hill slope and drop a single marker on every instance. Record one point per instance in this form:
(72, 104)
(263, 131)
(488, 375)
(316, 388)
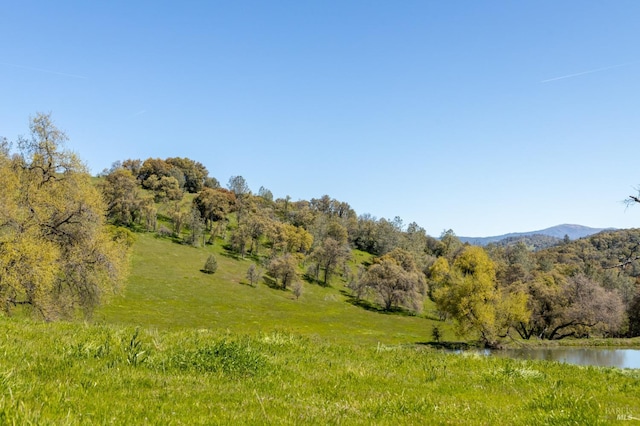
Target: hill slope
(166, 290)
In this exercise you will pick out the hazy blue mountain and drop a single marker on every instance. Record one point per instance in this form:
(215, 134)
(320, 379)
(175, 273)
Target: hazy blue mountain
(573, 231)
(534, 242)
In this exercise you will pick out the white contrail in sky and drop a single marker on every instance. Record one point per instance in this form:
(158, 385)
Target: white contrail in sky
(586, 72)
(64, 74)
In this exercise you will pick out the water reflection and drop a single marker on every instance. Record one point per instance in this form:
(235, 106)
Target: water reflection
(621, 358)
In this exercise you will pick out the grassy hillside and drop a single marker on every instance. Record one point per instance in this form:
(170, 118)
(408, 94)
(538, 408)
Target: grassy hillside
(166, 290)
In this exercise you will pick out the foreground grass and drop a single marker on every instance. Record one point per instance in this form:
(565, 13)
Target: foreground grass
(97, 374)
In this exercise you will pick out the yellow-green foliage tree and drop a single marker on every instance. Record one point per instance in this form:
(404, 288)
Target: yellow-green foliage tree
(468, 292)
(56, 253)
(289, 238)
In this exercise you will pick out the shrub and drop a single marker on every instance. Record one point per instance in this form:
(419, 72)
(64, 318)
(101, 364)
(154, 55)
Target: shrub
(253, 274)
(164, 232)
(211, 265)
(297, 289)
(436, 334)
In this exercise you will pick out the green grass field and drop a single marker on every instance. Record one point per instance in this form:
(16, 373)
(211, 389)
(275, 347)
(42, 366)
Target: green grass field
(72, 374)
(183, 347)
(167, 291)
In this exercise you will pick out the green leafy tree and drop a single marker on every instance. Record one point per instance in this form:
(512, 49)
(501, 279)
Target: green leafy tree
(120, 190)
(56, 253)
(387, 236)
(165, 188)
(265, 193)
(133, 165)
(414, 239)
(214, 204)
(365, 236)
(196, 227)
(257, 225)
(211, 182)
(178, 214)
(239, 239)
(149, 212)
(468, 292)
(288, 238)
(634, 316)
(194, 173)
(450, 245)
(159, 168)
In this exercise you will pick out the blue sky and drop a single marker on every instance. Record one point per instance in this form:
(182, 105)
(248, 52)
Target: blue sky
(481, 117)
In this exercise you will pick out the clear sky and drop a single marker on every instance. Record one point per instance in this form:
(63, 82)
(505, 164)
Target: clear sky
(484, 117)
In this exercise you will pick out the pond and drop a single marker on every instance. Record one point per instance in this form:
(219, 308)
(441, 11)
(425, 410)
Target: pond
(609, 357)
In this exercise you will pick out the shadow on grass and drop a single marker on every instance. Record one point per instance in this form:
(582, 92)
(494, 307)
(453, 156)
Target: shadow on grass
(271, 283)
(248, 284)
(256, 257)
(228, 252)
(138, 228)
(232, 254)
(373, 307)
(449, 346)
(169, 237)
(312, 280)
(163, 218)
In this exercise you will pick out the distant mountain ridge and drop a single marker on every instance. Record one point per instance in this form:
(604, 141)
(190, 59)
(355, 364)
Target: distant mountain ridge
(559, 231)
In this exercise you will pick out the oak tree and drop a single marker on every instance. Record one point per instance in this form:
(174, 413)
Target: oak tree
(120, 190)
(327, 256)
(193, 172)
(57, 255)
(396, 281)
(283, 268)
